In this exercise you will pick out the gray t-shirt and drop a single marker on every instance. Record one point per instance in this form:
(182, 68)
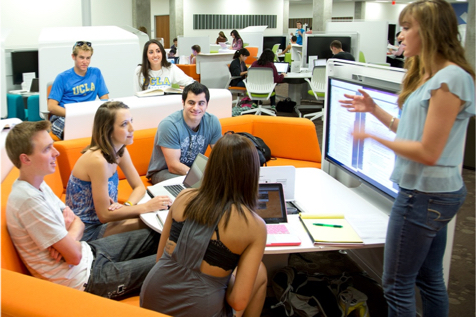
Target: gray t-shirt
(173, 133)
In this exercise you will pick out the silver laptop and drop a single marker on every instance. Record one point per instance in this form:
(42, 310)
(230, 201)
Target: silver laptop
(282, 68)
(192, 180)
(271, 207)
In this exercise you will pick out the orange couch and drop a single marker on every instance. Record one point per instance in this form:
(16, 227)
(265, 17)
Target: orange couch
(190, 70)
(293, 141)
(26, 296)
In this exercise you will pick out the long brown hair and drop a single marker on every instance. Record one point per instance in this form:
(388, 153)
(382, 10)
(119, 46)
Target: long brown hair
(439, 36)
(144, 70)
(103, 127)
(230, 180)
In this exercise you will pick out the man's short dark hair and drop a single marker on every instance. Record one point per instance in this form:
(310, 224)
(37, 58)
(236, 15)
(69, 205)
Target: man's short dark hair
(174, 40)
(299, 22)
(336, 44)
(294, 38)
(196, 48)
(196, 88)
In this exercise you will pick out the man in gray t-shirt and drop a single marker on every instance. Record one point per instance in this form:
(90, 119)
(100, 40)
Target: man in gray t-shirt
(183, 134)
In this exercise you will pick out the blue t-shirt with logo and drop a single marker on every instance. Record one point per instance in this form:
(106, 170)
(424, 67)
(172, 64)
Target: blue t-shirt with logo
(69, 87)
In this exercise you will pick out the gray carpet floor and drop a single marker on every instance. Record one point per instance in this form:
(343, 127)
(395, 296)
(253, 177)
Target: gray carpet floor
(461, 288)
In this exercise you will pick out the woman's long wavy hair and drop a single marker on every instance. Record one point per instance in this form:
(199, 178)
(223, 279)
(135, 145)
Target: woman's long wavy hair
(266, 57)
(439, 36)
(230, 181)
(144, 70)
(103, 127)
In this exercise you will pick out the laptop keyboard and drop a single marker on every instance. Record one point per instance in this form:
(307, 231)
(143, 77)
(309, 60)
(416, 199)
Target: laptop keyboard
(174, 189)
(277, 229)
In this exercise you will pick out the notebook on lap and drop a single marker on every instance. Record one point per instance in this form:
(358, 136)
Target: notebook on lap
(271, 207)
(192, 180)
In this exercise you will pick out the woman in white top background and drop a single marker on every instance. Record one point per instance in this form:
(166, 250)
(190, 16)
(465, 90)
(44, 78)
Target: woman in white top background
(157, 71)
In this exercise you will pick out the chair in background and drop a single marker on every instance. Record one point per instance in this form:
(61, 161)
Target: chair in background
(260, 86)
(246, 44)
(253, 55)
(287, 58)
(318, 86)
(16, 107)
(34, 108)
(275, 51)
(235, 90)
(361, 57)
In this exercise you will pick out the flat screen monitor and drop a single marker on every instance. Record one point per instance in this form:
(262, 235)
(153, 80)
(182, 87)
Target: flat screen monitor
(24, 62)
(320, 46)
(368, 161)
(269, 41)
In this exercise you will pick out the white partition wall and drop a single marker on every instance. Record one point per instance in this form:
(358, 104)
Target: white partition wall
(185, 44)
(253, 35)
(116, 54)
(373, 37)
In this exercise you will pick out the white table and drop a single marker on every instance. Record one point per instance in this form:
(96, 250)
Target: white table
(295, 83)
(147, 111)
(318, 192)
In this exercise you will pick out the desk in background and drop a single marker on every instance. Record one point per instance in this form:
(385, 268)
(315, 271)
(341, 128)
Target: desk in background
(296, 82)
(147, 111)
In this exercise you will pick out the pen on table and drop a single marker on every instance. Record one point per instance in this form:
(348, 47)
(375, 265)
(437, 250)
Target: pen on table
(160, 221)
(149, 193)
(327, 225)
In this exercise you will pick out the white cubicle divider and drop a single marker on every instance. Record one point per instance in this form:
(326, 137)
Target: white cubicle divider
(373, 38)
(116, 54)
(5, 127)
(327, 37)
(210, 68)
(147, 112)
(143, 37)
(3, 78)
(253, 35)
(185, 44)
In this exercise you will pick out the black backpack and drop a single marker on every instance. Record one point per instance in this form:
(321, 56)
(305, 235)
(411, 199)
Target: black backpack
(263, 150)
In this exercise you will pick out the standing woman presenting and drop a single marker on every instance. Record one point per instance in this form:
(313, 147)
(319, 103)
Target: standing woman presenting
(437, 99)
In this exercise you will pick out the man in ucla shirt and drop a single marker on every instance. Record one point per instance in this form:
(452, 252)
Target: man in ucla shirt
(78, 84)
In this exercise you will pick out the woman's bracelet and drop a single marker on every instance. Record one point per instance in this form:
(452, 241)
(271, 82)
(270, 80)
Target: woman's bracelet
(391, 123)
(128, 203)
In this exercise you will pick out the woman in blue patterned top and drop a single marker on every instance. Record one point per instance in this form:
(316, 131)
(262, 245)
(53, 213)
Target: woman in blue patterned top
(92, 186)
(437, 100)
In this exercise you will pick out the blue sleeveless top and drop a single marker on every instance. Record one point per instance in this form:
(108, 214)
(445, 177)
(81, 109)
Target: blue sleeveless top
(79, 197)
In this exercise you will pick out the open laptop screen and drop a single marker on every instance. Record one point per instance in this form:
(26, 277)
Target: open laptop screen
(195, 174)
(282, 68)
(271, 203)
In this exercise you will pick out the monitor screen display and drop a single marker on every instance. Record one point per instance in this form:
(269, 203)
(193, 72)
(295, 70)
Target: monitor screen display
(367, 160)
(24, 62)
(269, 41)
(320, 45)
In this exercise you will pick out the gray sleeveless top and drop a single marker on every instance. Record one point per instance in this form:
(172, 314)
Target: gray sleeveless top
(175, 285)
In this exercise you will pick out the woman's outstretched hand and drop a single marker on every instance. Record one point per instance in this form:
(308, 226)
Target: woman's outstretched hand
(358, 103)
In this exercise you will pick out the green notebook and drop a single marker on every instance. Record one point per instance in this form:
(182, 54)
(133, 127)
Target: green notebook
(332, 229)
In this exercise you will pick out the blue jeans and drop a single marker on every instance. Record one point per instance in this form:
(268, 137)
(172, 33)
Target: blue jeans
(122, 261)
(414, 249)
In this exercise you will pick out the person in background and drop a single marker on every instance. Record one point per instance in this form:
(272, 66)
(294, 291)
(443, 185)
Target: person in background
(267, 60)
(288, 48)
(237, 41)
(173, 49)
(221, 38)
(396, 58)
(210, 251)
(299, 32)
(78, 84)
(309, 31)
(196, 49)
(183, 134)
(336, 48)
(47, 234)
(155, 71)
(437, 99)
(93, 185)
(238, 67)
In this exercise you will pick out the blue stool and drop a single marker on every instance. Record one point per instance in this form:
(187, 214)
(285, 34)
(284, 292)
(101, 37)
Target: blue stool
(15, 107)
(34, 108)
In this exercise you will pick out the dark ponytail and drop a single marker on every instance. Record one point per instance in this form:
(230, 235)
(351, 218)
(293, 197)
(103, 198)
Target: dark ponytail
(242, 51)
